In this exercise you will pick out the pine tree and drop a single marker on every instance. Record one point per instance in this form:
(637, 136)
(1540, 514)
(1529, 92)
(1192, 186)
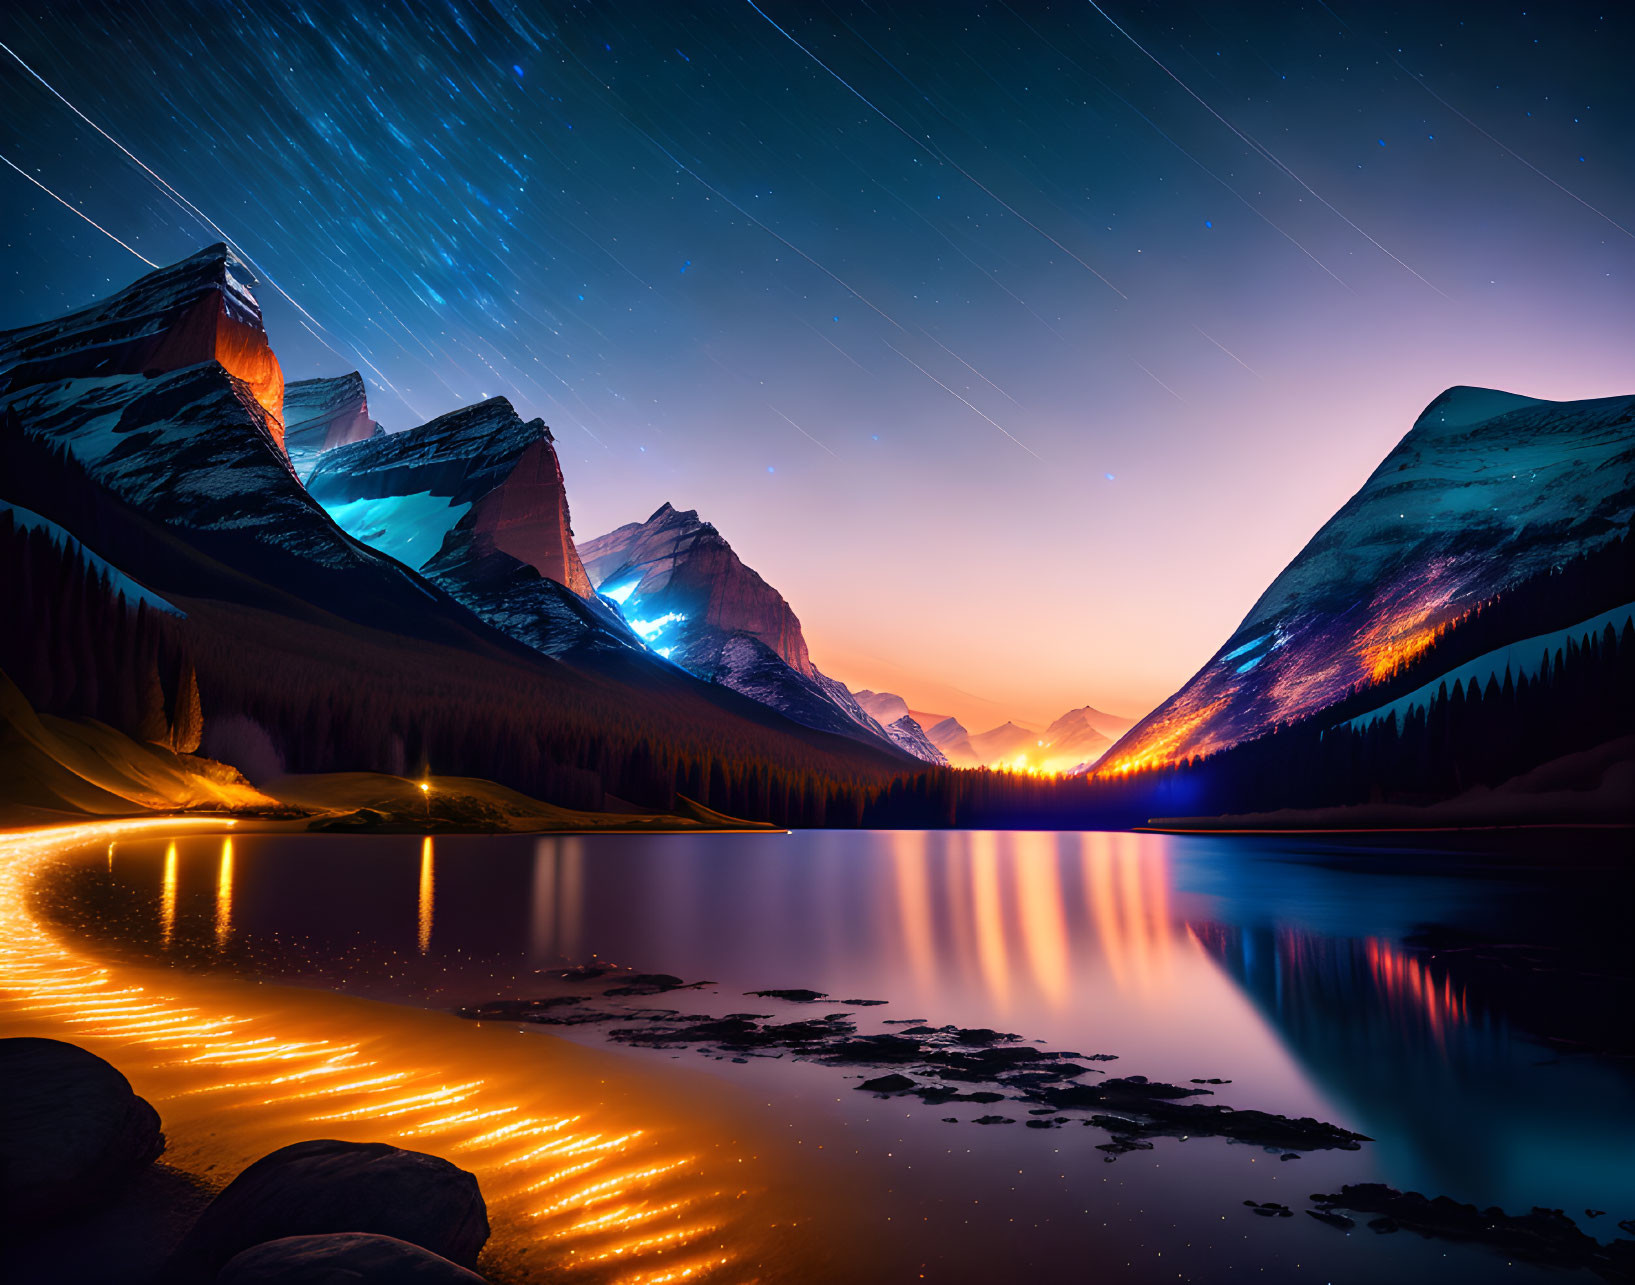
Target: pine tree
(187, 718)
(152, 725)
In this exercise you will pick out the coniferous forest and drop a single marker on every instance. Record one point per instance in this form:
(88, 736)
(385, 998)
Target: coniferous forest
(252, 689)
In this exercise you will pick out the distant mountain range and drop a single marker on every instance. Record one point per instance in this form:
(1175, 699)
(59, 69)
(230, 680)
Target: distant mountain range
(199, 557)
(1070, 744)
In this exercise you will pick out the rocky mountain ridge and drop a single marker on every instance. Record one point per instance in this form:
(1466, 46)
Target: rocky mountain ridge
(476, 501)
(198, 310)
(1487, 490)
(321, 414)
(693, 600)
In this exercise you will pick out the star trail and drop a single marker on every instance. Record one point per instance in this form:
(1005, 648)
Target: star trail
(921, 305)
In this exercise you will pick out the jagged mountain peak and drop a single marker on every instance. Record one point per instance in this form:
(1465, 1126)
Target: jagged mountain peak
(461, 453)
(199, 309)
(476, 500)
(668, 517)
(322, 414)
(676, 559)
(691, 599)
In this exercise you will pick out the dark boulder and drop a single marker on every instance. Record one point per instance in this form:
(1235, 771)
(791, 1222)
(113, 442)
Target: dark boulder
(342, 1258)
(71, 1130)
(324, 1186)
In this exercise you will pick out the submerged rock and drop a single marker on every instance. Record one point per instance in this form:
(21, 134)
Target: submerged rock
(325, 1186)
(966, 1064)
(71, 1130)
(889, 1084)
(1545, 1236)
(342, 1258)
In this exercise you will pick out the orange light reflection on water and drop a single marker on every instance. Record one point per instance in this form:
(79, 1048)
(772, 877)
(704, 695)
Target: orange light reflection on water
(998, 910)
(167, 899)
(427, 891)
(224, 895)
(585, 1165)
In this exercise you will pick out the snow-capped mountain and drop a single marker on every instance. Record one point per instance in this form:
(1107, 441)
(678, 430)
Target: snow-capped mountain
(321, 414)
(309, 646)
(891, 712)
(198, 310)
(692, 599)
(475, 501)
(950, 737)
(1487, 490)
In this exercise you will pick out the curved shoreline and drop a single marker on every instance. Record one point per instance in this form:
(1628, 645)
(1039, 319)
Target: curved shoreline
(585, 1161)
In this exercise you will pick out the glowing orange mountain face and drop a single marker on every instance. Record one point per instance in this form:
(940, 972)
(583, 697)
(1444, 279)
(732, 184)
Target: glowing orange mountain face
(205, 332)
(195, 311)
(1305, 669)
(1488, 490)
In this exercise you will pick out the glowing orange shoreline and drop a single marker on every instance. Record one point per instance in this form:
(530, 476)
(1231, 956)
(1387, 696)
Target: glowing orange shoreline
(584, 1166)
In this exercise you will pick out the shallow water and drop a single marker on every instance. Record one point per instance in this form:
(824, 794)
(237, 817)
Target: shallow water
(1419, 997)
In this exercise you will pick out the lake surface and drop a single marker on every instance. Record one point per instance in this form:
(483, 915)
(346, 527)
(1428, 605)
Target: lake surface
(1467, 1010)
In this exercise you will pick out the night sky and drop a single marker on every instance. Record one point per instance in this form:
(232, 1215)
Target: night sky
(1019, 345)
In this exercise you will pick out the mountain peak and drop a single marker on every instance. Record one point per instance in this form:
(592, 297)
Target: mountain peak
(668, 515)
(494, 477)
(199, 309)
(1488, 490)
(676, 558)
(1464, 404)
(321, 414)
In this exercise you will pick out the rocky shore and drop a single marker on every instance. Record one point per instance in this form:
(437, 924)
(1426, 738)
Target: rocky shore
(83, 1197)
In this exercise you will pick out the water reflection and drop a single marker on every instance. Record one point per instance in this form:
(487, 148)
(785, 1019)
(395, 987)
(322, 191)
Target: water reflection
(224, 895)
(1291, 976)
(584, 1164)
(167, 899)
(558, 898)
(1461, 1103)
(423, 908)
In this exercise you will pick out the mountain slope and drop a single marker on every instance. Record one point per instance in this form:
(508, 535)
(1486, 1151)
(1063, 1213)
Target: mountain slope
(691, 598)
(1487, 491)
(58, 767)
(891, 712)
(948, 734)
(172, 488)
(321, 414)
(475, 501)
(1005, 744)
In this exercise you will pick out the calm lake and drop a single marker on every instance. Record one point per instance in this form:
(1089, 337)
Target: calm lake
(1467, 1009)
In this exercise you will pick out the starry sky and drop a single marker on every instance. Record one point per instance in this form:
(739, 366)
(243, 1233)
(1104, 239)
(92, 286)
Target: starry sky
(1020, 345)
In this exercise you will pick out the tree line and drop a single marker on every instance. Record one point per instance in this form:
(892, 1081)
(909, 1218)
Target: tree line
(328, 698)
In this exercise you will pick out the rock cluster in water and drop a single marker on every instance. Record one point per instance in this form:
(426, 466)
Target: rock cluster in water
(1544, 1236)
(936, 1064)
